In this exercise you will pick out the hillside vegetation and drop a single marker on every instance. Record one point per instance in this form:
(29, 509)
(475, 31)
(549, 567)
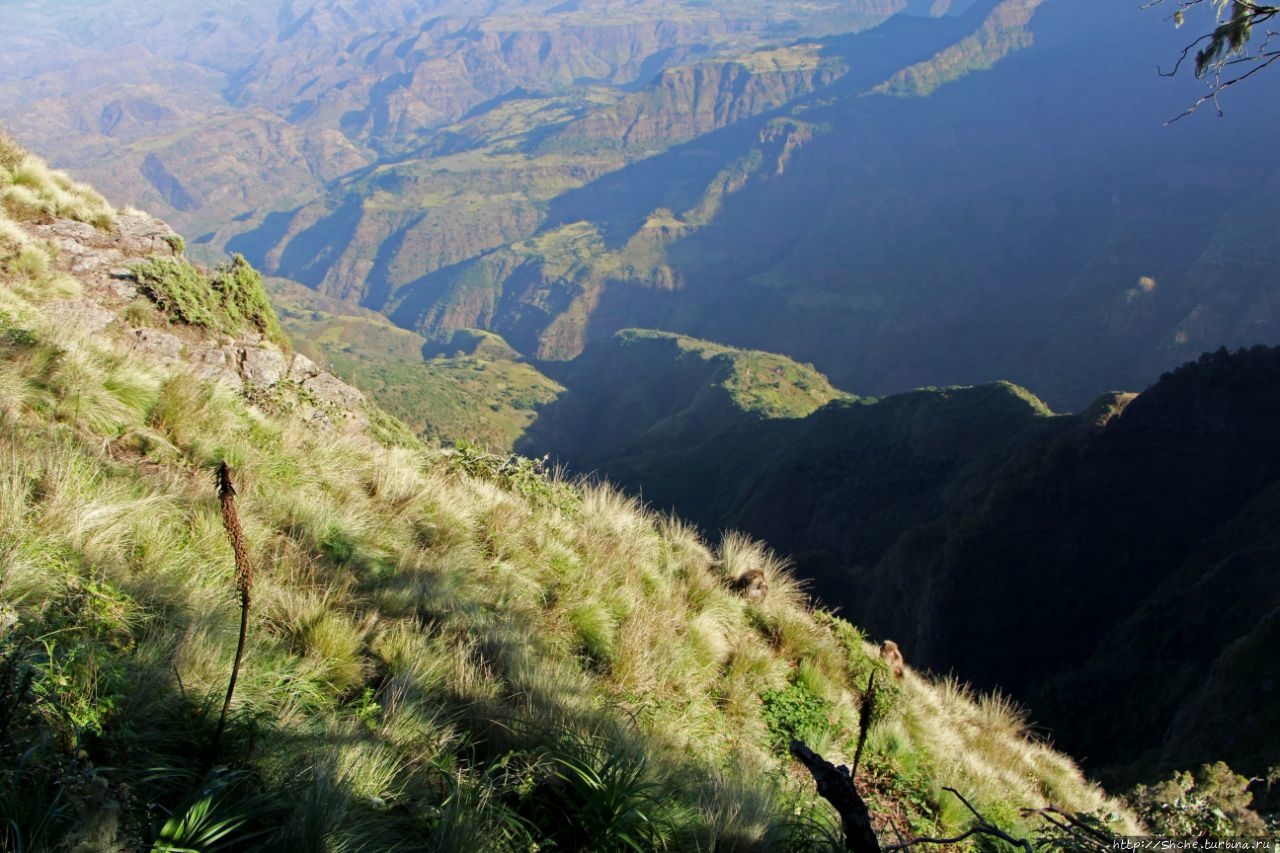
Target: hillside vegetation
(447, 651)
(474, 389)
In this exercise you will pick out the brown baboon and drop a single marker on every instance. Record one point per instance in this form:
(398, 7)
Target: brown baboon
(892, 655)
(752, 585)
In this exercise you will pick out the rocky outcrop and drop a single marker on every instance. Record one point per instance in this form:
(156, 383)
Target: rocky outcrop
(111, 308)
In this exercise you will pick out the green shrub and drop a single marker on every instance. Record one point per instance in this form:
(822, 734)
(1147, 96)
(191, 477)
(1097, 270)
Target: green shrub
(1213, 801)
(230, 299)
(794, 712)
(529, 478)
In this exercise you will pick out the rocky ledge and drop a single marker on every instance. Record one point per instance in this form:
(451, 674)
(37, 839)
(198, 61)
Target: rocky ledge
(101, 261)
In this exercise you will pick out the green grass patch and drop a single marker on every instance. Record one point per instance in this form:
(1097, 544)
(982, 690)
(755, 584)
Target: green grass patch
(229, 298)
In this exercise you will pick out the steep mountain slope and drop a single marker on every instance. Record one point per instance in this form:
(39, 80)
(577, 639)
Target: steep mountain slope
(1124, 551)
(444, 651)
(1148, 538)
(520, 164)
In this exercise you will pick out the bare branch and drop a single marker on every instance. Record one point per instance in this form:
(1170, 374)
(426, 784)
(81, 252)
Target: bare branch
(1072, 826)
(982, 827)
(1228, 44)
(1218, 87)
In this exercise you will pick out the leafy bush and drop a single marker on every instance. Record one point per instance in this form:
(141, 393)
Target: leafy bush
(1213, 801)
(230, 299)
(529, 478)
(794, 712)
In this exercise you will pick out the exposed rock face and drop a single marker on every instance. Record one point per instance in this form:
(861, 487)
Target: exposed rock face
(100, 260)
(84, 316)
(95, 256)
(158, 345)
(262, 366)
(686, 102)
(329, 389)
(217, 364)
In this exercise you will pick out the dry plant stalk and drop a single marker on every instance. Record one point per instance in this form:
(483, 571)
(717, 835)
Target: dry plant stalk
(244, 587)
(864, 721)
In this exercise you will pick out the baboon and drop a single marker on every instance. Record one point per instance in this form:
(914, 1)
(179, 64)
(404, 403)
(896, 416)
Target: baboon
(892, 655)
(752, 585)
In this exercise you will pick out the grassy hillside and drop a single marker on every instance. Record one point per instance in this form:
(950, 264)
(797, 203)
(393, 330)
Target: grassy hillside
(446, 651)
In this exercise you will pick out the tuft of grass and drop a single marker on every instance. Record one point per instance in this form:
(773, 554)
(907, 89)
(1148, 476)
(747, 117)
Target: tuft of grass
(30, 191)
(11, 153)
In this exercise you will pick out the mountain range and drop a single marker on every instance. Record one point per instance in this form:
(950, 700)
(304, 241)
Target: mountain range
(900, 193)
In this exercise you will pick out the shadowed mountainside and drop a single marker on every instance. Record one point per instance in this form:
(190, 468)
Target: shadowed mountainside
(1121, 552)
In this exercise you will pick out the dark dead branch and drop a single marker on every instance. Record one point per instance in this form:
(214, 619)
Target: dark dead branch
(864, 721)
(1073, 827)
(835, 785)
(981, 827)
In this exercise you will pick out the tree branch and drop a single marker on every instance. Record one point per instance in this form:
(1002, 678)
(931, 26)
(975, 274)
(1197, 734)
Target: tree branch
(1226, 45)
(835, 785)
(1218, 87)
(1073, 826)
(982, 827)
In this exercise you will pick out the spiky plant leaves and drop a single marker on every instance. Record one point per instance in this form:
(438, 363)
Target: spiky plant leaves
(222, 812)
(34, 811)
